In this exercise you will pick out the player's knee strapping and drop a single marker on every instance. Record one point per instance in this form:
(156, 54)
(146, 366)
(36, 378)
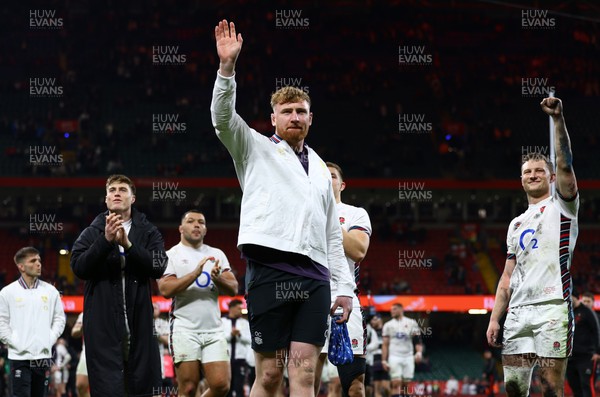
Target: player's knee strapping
(348, 372)
(517, 380)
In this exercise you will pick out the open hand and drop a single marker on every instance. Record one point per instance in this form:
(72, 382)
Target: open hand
(228, 46)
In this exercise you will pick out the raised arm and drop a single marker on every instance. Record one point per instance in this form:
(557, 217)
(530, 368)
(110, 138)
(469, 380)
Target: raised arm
(231, 129)
(566, 183)
(228, 47)
(501, 303)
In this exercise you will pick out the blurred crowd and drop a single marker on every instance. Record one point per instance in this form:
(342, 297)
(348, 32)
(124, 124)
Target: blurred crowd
(470, 93)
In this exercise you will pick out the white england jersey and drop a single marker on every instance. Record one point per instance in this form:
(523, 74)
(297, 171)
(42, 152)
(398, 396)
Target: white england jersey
(401, 333)
(542, 240)
(197, 308)
(352, 218)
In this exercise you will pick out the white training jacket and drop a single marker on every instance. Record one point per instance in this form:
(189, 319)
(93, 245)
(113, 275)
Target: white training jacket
(282, 207)
(31, 319)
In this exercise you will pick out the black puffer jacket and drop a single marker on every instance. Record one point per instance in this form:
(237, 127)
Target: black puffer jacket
(97, 261)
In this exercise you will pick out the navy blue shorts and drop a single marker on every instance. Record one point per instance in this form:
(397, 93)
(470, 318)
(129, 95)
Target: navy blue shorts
(284, 307)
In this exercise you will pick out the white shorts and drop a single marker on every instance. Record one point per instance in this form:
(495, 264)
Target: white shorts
(356, 332)
(82, 365)
(332, 371)
(543, 329)
(401, 367)
(205, 347)
(61, 376)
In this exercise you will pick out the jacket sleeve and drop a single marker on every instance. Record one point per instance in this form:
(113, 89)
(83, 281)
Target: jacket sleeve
(245, 336)
(231, 129)
(89, 254)
(227, 328)
(374, 342)
(336, 259)
(150, 261)
(58, 319)
(5, 330)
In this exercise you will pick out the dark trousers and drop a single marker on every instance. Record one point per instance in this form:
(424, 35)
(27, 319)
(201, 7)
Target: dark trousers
(491, 381)
(238, 376)
(580, 375)
(251, 376)
(29, 377)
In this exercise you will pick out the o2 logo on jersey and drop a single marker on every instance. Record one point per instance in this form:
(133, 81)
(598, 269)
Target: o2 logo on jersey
(401, 335)
(203, 276)
(533, 240)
